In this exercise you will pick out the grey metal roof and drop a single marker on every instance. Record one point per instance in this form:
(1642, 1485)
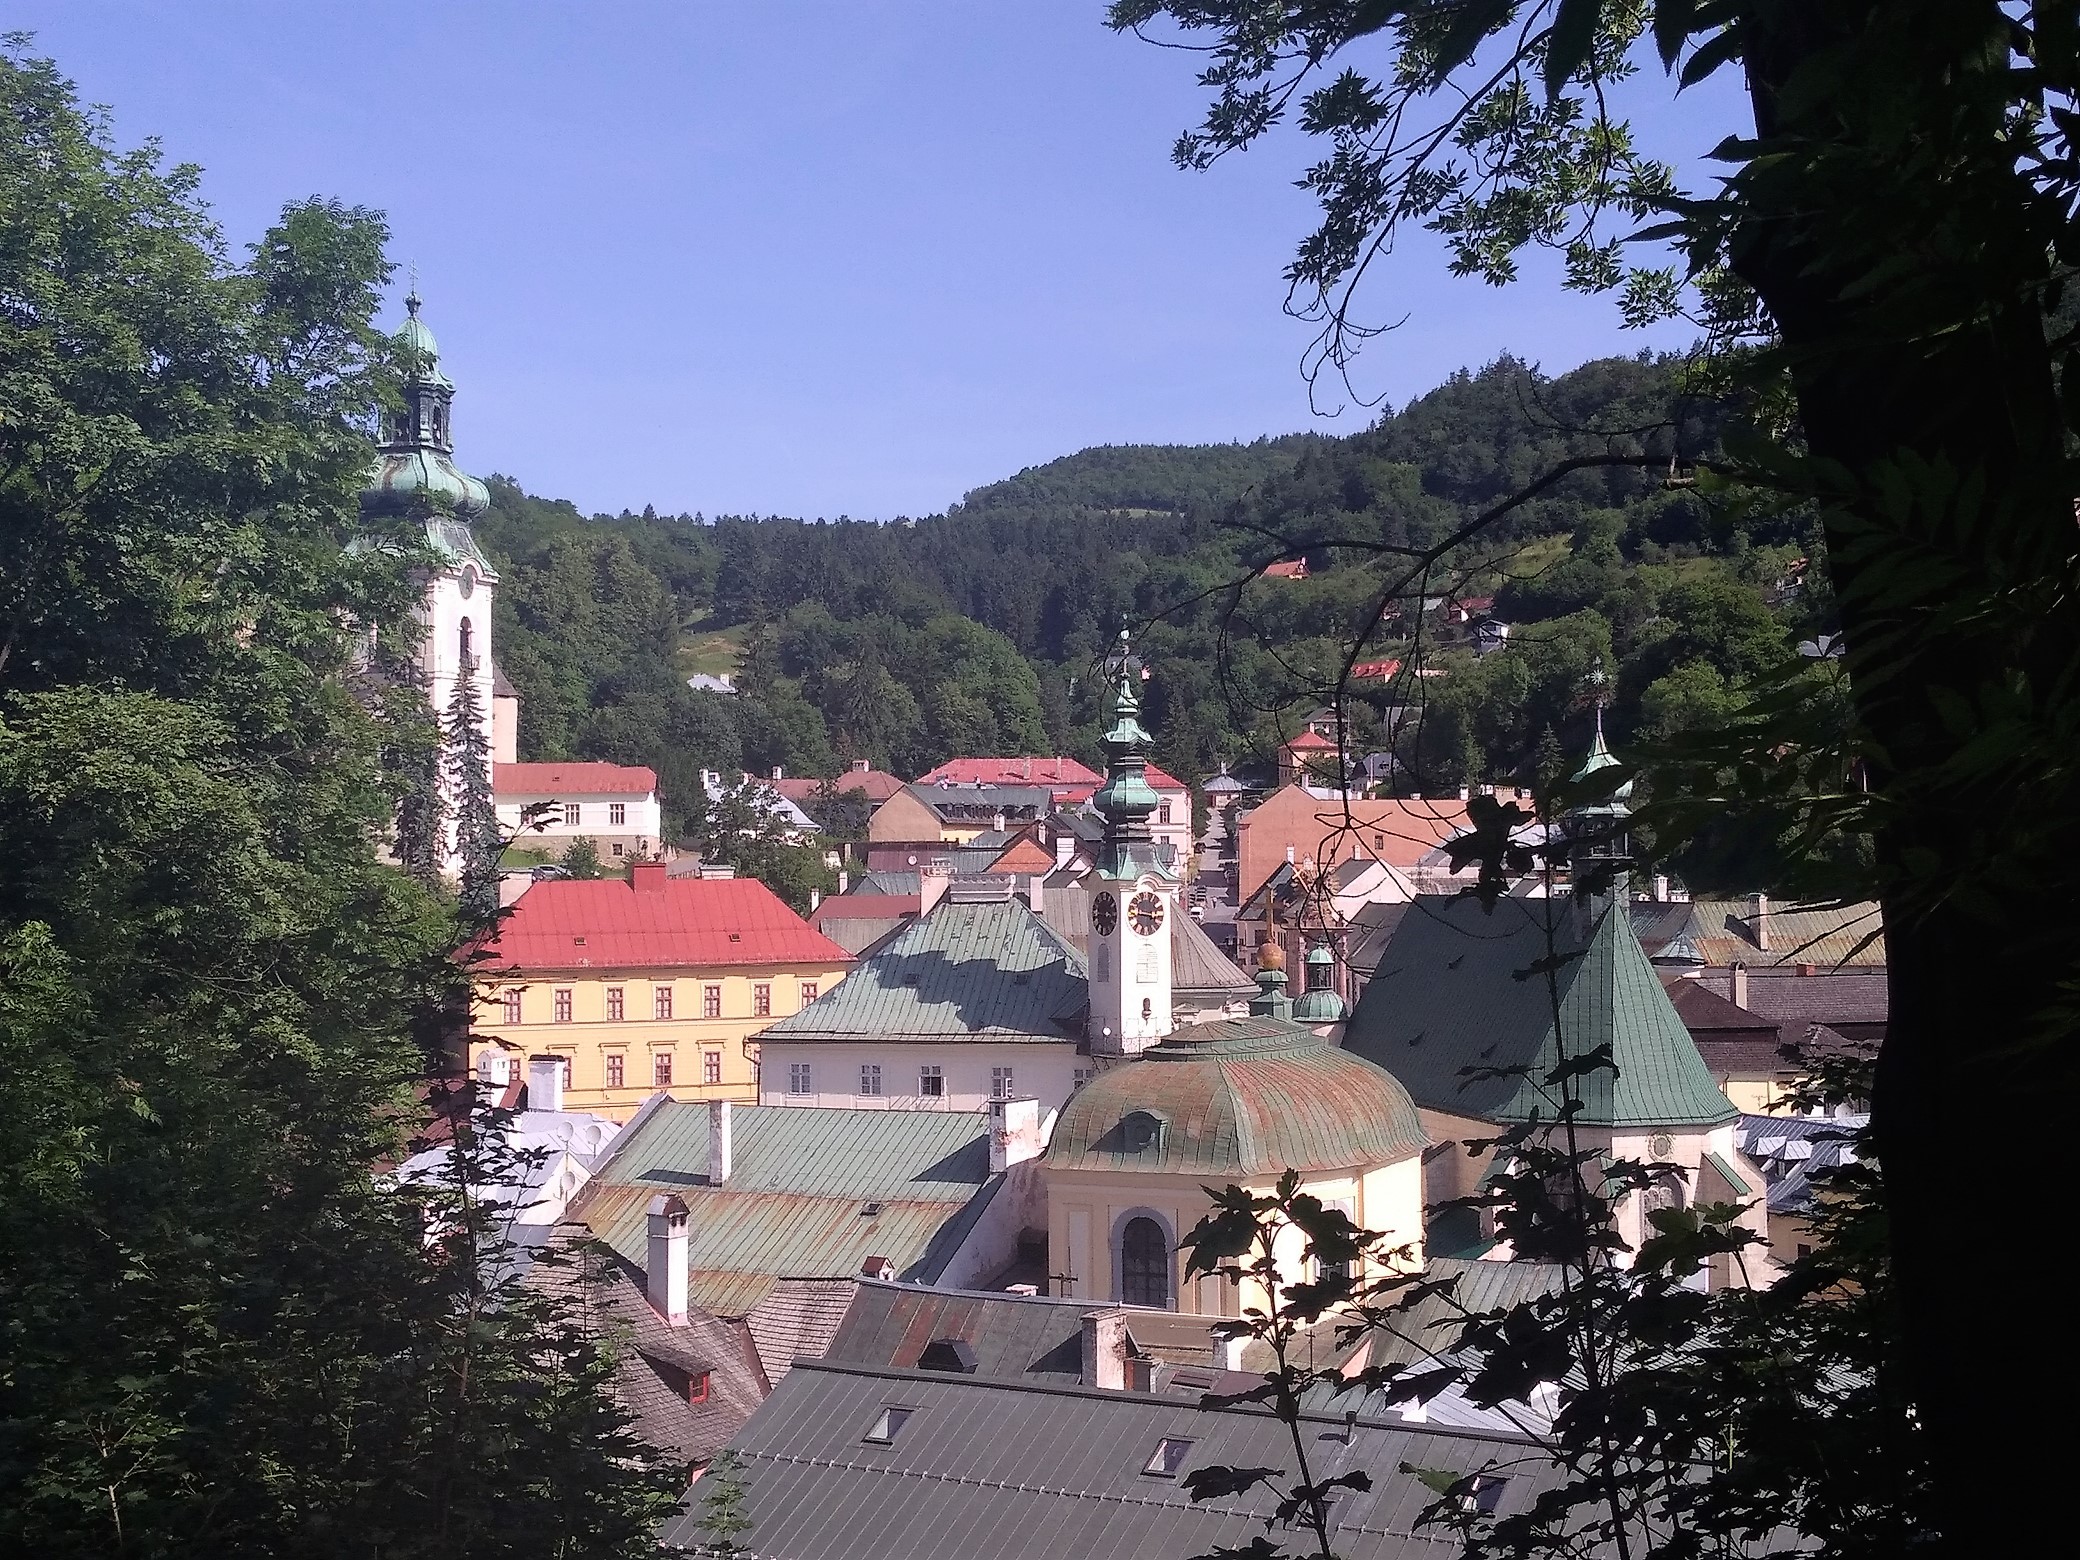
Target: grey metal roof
(1015, 1337)
(1460, 1012)
(1792, 1151)
(960, 972)
(995, 1470)
(1725, 931)
(796, 1202)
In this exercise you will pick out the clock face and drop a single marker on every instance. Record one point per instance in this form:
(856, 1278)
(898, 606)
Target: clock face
(1104, 915)
(1145, 913)
(469, 582)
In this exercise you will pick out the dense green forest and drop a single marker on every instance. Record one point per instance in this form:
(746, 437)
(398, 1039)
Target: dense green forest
(975, 631)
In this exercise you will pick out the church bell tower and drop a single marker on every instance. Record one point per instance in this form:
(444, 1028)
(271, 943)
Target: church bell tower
(1133, 891)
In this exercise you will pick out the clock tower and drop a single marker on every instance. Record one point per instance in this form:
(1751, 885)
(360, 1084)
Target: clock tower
(1133, 891)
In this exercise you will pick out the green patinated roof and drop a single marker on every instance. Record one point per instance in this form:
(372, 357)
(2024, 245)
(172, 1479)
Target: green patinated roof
(794, 1203)
(1455, 990)
(1244, 1097)
(962, 972)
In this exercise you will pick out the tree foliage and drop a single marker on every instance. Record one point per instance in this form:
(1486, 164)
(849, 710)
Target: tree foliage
(218, 1334)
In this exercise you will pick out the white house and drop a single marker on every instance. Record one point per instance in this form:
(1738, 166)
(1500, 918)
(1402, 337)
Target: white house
(613, 805)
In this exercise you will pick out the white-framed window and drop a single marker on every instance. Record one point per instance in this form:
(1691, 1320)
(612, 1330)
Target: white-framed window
(617, 1004)
(1163, 810)
(617, 1069)
(573, 814)
(1000, 1083)
(931, 1083)
(799, 1079)
(617, 848)
(563, 1004)
(870, 1079)
(664, 1001)
(511, 1003)
(808, 992)
(711, 1067)
(1084, 1075)
(1168, 1457)
(617, 813)
(762, 999)
(661, 1070)
(711, 1002)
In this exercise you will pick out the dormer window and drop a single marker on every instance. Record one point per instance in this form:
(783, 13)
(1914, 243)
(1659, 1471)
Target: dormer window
(1140, 1131)
(888, 1426)
(1167, 1458)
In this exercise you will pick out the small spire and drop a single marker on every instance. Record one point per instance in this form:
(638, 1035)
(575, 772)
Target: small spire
(411, 298)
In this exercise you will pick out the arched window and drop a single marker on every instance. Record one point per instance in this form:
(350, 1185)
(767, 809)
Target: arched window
(465, 640)
(1144, 1263)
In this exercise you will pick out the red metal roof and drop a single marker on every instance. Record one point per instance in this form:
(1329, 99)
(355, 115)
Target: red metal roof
(1014, 771)
(574, 779)
(865, 907)
(1163, 780)
(1309, 742)
(566, 924)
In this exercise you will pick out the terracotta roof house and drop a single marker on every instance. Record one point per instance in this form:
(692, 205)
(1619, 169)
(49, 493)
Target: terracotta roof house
(1286, 569)
(1056, 774)
(1329, 830)
(644, 984)
(616, 806)
(861, 779)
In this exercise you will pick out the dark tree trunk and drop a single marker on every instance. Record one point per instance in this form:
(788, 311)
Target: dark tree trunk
(1945, 359)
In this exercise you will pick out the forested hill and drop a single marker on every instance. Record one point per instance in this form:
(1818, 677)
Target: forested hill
(974, 631)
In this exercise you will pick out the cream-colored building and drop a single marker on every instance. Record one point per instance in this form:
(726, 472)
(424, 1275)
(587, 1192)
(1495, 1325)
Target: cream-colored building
(1236, 1102)
(645, 986)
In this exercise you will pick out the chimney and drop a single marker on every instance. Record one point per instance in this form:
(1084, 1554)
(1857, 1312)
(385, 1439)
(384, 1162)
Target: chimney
(1807, 969)
(545, 1083)
(861, 766)
(878, 1268)
(665, 1271)
(779, 773)
(1064, 847)
(1465, 793)
(844, 881)
(997, 821)
(721, 1153)
(1014, 1133)
(646, 877)
(1105, 1350)
(1141, 1373)
(1740, 985)
(932, 882)
(1758, 920)
(815, 899)
(1289, 854)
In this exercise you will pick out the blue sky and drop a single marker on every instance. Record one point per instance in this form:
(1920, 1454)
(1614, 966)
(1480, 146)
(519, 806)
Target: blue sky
(792, 258)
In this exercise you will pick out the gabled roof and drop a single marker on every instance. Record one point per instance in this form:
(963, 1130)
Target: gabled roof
(1025, 1470)
(798, 1320)
(961, 972)
(795, 1204)
(653, 1359)
(1460, 988)
(564, 780)
(1014, 1337)
(1331, 828)
(683, 923)
(1728, 931)
(876, 785)
(1025, 770)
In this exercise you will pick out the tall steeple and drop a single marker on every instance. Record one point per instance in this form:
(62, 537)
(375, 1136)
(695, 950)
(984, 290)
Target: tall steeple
(1598, 829)
(1133, 890)
(416, 471)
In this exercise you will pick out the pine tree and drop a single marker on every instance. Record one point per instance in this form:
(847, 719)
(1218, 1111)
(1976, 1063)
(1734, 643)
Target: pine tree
(466, 760)
(724, 1521)
(581, 858)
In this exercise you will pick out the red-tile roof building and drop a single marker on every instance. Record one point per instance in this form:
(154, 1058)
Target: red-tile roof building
(644, 986)
(616, 806)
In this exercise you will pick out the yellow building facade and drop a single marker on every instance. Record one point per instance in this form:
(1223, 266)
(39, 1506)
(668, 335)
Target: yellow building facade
(644, 987)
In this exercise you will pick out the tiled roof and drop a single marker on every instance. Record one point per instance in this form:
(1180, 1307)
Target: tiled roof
(798, 1320)
(653, 1358)
(1014, 771)
(1026, 1470)
(961, 972)
(1241, 1097)
(796, 1199)
(1724, 931)
(1197, 966)
(693, 923)
(1310, 742)
(572, 779)
(1399, 831)
(1856, 1001)
(1456, 990)
(1014, 1337)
